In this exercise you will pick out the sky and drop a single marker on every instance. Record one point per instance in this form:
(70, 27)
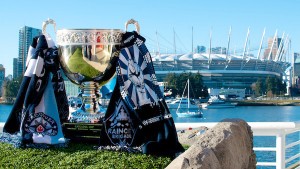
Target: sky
(161, 21)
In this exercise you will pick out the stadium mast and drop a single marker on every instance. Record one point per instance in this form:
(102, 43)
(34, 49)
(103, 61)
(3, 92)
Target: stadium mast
(246, 42)
(275, 36)
(279, 50)
(228, 43)
(158, 49)
(209, 51)
(284, 48)
(174, 42)
(261, 42)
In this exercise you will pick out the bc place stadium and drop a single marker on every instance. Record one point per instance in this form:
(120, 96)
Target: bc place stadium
(222, 70)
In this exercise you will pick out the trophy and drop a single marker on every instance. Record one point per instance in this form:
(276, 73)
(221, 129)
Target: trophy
(85, 57)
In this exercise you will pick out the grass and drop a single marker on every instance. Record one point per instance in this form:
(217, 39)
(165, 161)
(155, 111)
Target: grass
(75, 156)
(78, 65)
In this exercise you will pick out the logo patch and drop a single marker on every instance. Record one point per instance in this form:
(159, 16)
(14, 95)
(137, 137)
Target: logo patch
(119, 127)
(42, 124)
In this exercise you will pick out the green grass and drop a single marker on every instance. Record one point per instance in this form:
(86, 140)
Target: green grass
(75, 156)
(78, 65)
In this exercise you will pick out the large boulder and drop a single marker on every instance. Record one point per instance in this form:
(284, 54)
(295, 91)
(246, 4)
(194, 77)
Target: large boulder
(227, 145)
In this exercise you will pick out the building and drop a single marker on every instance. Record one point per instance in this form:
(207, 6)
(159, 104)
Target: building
(220, 71)
(275, 52)
(26, 35)
(15, 68)
(296, 71)
(2, 77)
(200, 49)
(219, 50)
(228, 93)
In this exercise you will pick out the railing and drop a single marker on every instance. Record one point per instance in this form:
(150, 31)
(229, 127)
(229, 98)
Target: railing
(278, 129)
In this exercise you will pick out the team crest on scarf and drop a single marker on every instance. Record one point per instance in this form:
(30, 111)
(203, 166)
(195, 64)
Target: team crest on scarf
(119, 126)
(137, 78)
(42, 124)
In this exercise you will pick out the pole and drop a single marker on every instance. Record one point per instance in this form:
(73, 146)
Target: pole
(192, 40)
(261, 42)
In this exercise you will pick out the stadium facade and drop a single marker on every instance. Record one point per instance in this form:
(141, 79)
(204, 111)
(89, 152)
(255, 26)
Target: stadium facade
(220, 70)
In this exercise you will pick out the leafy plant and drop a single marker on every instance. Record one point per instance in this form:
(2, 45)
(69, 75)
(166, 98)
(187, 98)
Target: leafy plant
(75, 156)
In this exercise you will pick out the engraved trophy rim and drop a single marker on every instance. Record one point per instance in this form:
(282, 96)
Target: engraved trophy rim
(88, 36)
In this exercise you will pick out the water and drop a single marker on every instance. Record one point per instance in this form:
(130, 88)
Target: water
(247, 113)
(4, 111)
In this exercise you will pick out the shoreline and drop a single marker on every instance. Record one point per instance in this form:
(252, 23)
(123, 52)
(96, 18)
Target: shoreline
(248, 103)
(269, 103)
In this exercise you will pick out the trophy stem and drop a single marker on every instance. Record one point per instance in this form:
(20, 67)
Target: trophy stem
(90, 97)
(90, 111)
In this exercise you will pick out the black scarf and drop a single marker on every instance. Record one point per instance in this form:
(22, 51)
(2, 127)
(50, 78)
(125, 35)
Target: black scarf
(137, 115)
(41, 104)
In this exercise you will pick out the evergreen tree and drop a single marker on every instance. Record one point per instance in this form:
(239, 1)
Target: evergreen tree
(177, 83)
(258, 87)
(12, 87)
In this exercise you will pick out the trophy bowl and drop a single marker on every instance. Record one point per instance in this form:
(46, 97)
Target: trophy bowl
(86, 56)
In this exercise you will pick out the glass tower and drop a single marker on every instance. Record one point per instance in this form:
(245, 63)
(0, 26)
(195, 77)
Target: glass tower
(26, 34)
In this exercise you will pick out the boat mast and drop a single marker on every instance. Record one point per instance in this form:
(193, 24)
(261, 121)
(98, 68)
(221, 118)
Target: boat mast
(188, 94)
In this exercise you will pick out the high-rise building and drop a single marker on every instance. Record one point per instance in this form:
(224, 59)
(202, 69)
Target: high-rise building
(296, 70)
(2, 76)
(219, 50)
(275, 47)
(15, 67)
(26, 34)
(200, 49)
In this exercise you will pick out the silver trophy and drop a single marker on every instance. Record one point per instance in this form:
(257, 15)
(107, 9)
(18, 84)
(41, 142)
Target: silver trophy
(85, 57)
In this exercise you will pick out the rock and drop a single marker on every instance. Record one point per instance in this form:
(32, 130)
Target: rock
(227, 145)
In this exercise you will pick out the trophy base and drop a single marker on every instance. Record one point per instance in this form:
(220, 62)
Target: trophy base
(80, 116)
(83, 132)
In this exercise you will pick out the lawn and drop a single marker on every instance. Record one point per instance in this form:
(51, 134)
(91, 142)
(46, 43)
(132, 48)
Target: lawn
(75, 156)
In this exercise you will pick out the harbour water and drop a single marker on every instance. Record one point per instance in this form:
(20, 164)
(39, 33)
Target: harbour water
(247, 113)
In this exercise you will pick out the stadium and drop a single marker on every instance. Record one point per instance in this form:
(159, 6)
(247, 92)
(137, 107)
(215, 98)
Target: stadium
(221, 70)
(224, 69)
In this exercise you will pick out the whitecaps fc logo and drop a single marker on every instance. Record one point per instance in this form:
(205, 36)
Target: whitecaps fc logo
(42, 124)
(119, 127)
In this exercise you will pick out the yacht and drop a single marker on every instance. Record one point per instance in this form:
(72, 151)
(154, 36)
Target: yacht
(185, 107)
(214, 102)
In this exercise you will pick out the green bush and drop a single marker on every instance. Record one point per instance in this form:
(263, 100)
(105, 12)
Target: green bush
(75, 156)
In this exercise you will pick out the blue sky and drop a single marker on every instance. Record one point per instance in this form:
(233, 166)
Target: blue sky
(162, 16)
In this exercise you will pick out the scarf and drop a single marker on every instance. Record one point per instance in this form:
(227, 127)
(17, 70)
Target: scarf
(137, 118)
(41, 105)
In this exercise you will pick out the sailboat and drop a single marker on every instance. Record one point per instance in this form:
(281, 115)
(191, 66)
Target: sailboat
(187, 107)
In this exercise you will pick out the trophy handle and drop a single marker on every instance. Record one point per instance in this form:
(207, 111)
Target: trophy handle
(136, 24)
(45, 23)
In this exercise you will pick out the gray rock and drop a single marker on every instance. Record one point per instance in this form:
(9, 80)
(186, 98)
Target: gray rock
(228, 145)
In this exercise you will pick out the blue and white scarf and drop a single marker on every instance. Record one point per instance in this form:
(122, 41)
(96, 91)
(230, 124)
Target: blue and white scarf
(41, 105)
(137, 118)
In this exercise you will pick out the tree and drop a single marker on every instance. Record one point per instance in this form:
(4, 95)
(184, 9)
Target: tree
(12, 87)
(258, 87)
(177, 83)
(270, 86)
